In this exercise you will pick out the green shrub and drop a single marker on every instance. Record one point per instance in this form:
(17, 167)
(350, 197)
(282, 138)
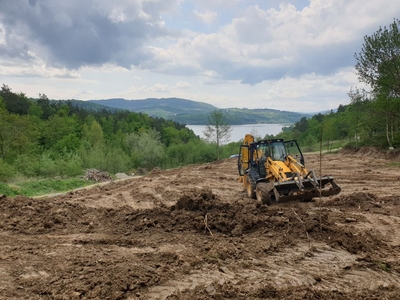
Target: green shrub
(204, 152)
(229, 149)
(69, 165)
(7, 172)
(26, 165)
(7, 190)
(93, 157)
(117, 161)
(47, 167)
(177, 155)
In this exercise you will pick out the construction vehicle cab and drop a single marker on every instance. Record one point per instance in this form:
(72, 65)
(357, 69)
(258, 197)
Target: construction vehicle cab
(273, 170)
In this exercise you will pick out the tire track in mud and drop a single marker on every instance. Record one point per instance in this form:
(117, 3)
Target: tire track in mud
(322, 268)
(148, 191)
(388, 227)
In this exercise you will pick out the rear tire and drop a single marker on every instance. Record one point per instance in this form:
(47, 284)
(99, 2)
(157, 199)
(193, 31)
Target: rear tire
(250, 187)
(307, 199)
(262, 193)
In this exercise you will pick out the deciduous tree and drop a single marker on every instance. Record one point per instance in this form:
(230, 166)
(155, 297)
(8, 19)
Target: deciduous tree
(378, 65)
(378, 62)
(218, 130)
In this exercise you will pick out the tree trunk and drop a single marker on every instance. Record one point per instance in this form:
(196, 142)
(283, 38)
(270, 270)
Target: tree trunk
(387, 133)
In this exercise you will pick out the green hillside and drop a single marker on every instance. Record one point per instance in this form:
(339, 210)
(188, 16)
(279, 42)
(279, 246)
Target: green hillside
(87, 105)
(241, 116)
(196, 113)
(168, 108)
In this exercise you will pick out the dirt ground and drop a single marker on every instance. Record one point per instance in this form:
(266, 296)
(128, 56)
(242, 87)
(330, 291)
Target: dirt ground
(191, 233)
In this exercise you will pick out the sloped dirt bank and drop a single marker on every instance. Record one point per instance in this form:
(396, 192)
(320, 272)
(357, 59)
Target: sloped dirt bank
(191, 233)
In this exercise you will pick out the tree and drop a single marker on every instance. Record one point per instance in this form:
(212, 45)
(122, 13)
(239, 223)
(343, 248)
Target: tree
(3, 107)
(44, 103)
(301, 125)
(218, 130)
(254, 132)
(378, 65)
(15, 103)
(93, 133)
(57, 127)
(35, 110)
(17, 134)
(355, 112)
(146, 149)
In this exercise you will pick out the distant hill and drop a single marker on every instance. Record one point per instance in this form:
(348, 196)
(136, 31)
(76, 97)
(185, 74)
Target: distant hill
(88, 105)
(196, 113)
(167, 108)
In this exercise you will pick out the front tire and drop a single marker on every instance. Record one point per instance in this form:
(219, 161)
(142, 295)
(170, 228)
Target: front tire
(262, 193)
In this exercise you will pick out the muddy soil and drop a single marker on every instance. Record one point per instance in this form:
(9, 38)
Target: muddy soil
(191, 233)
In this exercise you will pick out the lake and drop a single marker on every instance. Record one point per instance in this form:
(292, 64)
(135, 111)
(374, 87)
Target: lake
(239, 131)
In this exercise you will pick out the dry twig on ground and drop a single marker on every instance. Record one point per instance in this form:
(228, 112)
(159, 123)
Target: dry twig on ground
(206, 225)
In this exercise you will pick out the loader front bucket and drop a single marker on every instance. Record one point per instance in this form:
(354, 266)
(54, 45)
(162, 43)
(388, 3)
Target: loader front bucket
(306, 189)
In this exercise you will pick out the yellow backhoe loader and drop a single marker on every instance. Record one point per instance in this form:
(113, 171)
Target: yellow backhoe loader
(273, 171)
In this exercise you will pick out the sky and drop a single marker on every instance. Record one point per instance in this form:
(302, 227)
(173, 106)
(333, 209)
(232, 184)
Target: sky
(289, 55)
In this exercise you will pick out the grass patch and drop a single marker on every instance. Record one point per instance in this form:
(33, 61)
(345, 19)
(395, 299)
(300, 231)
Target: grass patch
(394, 164)
(42, 187)
(333, 147)
(8, 190)
(384, 266)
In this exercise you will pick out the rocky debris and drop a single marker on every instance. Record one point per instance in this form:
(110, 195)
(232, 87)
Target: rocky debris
(141, 171)
(96, 175)
(121, 176)
(156, 171)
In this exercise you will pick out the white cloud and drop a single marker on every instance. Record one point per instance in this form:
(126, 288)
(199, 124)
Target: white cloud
(218, 4)
(207, 17)
(270, 44)
(160, 88)
(182, 85)
(2, 34)
(117, 15)
(40, 70)
(146, 90)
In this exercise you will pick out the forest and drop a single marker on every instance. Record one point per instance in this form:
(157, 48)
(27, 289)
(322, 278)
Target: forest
(42, 138)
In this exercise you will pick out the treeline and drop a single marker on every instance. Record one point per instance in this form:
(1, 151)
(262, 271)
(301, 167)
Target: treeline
(42, 138)
(240, 116)
(364, 122)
